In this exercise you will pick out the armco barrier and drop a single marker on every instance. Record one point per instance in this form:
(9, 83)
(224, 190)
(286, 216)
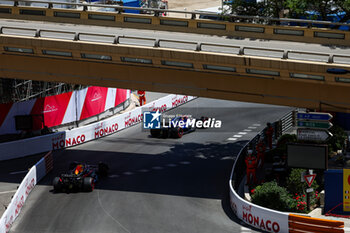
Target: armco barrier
(35, 174)
(267, 219)
(240, 26)
(68, 138)
(299, 223)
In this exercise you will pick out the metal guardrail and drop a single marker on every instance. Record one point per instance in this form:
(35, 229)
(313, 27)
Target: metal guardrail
(197, 46)
(230, 17)
(296, 30)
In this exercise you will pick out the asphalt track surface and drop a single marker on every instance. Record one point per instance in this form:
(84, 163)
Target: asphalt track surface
(154, 185)
(153, 34)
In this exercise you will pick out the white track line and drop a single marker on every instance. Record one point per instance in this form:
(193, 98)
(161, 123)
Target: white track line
(232, 139)
(12, 191)
(19, 172)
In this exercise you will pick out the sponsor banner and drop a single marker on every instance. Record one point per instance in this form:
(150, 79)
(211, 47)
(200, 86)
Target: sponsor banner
(110, 99)
(50, 110)
(257, 216)
(346, 190)
(111, 125)
(61, 109)
(18, 200)
(95, 102)
(87, 133)
(120, 96)
(19, 108)
(5, 108)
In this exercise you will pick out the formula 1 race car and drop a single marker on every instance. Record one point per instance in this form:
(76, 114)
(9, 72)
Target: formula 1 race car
(176, 128)
(81, 177)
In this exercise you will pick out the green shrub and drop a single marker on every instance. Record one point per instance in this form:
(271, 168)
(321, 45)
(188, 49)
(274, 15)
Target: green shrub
(294, 184)
(272, 196)
(337, 141)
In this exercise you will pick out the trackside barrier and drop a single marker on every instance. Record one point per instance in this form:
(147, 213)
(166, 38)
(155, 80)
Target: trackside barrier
(267, 219)
(68, 138)
(242, 26)
(299, 223)
(35, 174)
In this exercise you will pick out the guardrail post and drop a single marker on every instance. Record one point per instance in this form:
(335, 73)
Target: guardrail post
(50, 6)
(193, 16)
(241, 51)
(156, 43)
(116, 40)
(331, 58)
(85, 8)
(156, 13)
(76, 36)
(199, 47)
(37, 33)
(15, 3)
(285, 54)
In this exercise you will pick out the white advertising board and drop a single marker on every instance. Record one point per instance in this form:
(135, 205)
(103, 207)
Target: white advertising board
(18, 200)
(257, 216)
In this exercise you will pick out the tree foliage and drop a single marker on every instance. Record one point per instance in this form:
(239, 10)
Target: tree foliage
(292, 8)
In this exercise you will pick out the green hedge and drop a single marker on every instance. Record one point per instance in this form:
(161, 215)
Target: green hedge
(272, 196)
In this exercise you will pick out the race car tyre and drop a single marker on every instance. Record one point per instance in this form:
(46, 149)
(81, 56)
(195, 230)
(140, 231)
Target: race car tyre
(103, 169)
(88, 184)
(179, 133)
(57, 185)
(155, 133)
(165, 133)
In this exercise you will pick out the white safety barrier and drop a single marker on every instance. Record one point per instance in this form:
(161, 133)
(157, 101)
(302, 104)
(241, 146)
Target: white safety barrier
(254, 215)
(17, 202)
(35, 174)
(41, 144)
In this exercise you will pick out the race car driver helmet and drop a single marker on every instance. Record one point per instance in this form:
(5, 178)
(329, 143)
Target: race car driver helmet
(78, 169)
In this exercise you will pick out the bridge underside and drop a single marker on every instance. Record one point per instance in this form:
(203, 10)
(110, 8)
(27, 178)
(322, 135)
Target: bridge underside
(177, 71)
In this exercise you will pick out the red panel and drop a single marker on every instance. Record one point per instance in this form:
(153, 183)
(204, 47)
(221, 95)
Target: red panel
(4, 110)
(95, 102)
(50, 110)
(120, 96)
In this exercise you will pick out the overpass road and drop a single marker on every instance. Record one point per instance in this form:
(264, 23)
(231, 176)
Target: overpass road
(115, 31)
(155, 185)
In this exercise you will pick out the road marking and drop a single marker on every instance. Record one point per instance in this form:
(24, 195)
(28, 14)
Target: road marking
(252, 127)
(256, 125)
(242, 133)
(19, 172)
(171, 165)
(113, 176)
(143, 170)
(237, 136)
(12, 191)
(185, 162)
(128, 173)
(244, 229)
(247, 130)
(157, 168)
(232, 139)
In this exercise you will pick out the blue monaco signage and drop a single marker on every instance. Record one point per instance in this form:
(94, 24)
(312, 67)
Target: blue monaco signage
(314, 116)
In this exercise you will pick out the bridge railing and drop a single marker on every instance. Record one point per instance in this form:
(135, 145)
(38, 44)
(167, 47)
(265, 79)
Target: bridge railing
(194, 14)
(307, 31)
(178, 44)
